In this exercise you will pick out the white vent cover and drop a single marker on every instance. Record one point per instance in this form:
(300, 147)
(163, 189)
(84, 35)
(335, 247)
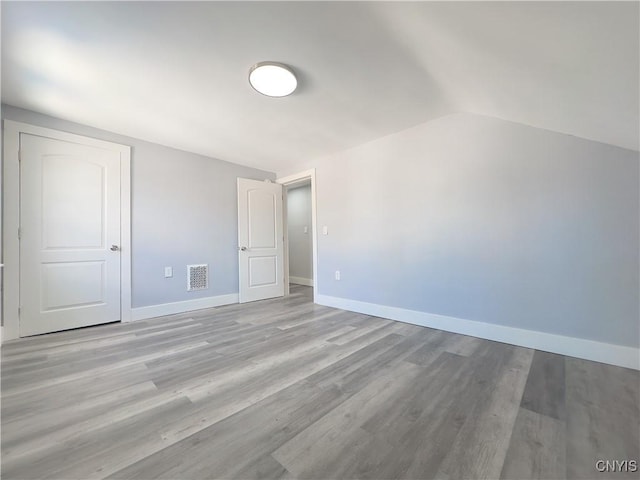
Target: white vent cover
(197, 277)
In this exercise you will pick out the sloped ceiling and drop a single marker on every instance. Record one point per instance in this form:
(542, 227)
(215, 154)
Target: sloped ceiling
(175, 73)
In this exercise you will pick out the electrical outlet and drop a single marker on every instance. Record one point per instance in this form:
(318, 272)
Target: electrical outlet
(337, 274)
(168, 272)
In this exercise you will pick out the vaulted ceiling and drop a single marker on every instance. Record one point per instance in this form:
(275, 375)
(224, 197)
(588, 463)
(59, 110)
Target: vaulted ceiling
(175, 73)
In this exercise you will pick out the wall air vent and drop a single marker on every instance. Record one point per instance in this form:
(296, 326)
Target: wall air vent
(197, 277)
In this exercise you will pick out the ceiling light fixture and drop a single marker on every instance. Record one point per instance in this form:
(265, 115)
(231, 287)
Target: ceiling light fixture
(272, 79)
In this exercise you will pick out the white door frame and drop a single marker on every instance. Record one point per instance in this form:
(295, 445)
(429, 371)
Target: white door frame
(290, 181)
(11, 219)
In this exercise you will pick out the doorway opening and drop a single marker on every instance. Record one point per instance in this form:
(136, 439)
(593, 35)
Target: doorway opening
(299, 236)
(300, 259)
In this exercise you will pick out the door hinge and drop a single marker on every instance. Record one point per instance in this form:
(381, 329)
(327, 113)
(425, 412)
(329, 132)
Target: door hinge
(19, 155)
(19, 234)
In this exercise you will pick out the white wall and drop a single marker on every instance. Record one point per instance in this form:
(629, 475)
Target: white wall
(478, 219)
(184, 211)
(300, 241)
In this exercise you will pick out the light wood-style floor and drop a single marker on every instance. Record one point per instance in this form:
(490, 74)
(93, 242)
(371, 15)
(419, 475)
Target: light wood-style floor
(288, 389)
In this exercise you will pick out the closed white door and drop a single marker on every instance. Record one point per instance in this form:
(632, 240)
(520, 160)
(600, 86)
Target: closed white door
(260, 237)
(69, 235)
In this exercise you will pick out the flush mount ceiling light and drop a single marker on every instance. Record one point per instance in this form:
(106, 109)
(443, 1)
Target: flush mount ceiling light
(272, 79)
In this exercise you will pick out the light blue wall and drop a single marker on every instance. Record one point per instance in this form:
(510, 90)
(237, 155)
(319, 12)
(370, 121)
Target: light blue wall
(184, 211)
(487, 220)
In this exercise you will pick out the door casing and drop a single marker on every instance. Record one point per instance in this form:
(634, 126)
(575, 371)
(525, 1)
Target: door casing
(289, 181)
(11, 219)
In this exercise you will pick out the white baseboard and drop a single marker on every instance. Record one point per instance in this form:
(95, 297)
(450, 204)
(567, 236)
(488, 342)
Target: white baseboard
(619, 355)
(142, 313)
(301, 281)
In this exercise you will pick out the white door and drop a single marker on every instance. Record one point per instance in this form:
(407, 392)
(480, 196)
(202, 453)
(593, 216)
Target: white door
(69, 235)
(260, 237)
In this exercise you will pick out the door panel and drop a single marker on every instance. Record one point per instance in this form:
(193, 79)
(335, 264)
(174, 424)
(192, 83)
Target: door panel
(73, 196)
(88, 279)
(263, 271)
(70, 217)
(262, 219)
(260, 236)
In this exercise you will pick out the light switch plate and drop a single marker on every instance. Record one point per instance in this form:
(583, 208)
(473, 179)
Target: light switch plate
(325, 230)
(168, 272)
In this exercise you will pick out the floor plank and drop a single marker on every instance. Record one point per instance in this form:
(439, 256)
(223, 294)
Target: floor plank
(537, 448)
(545, 389)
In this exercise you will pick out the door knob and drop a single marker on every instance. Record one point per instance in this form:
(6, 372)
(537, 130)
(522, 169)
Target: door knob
(244, 249)
(114, 248)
